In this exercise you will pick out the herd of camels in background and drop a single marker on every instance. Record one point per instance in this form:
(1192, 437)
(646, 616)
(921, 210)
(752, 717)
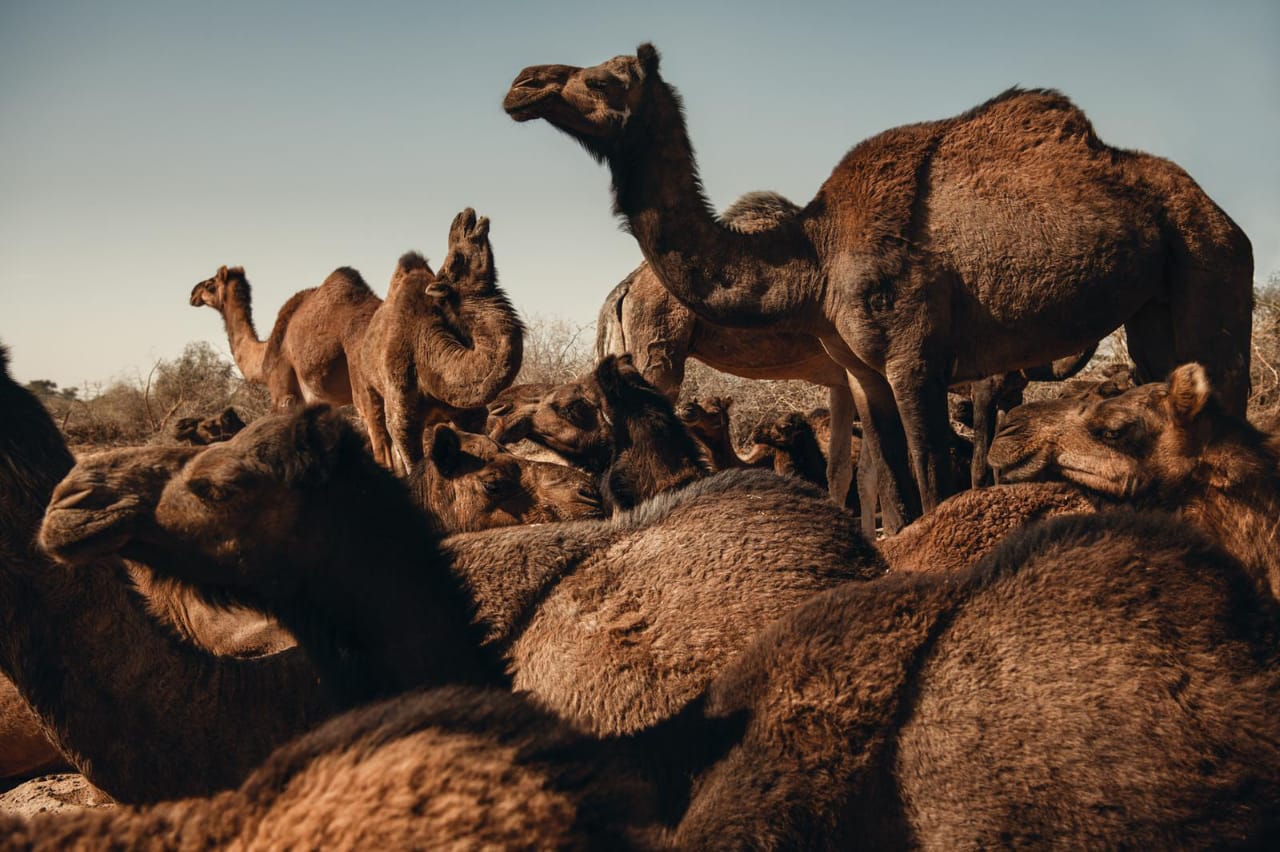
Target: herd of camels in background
(652, 645)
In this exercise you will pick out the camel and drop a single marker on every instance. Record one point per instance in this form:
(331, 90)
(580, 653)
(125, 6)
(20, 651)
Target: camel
(314, 348)
(440, 347)
(125, 694)
(613, 624)
(1166, 445)
(642, 318)
(1098, 681)
(510, 410)
(708, 422)
(615, 424)
(938, 252)
(208, 430)
(792, 445)
(469, 482)
(450, 768)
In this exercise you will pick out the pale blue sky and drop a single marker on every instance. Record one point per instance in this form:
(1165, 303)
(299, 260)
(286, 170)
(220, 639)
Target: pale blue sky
(143, 144)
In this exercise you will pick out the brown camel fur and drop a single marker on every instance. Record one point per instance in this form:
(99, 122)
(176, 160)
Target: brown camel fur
(708, 422)
(314, 348)
(936, 252)
(1169, 446)
(613, 423)
(641, 317)
(450, 768)
(440, 347)
(612, 624)
(120, 694)
(967, 526)
(1098, 681)
(468, 482)
(201, 432)
(510, 410)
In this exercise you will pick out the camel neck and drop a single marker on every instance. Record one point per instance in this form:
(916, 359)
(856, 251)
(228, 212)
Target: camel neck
(379, 609)
(237, 317)
(726, 277)
(1244, 518)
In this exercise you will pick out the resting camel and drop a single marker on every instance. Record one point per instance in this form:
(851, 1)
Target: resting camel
(613, 423)
(938, 252)
(450, 768)
(142, 713)
(708, 422)
(1098, 681)
(469, 482)
(440, 347)
(613, 624)
(314, 347)
(642, 318)
(510, 410)
(1167, 445)
(208, 430)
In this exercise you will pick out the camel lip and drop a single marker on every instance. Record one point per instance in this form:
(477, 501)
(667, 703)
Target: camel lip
(1029, 468)
(72, 543)
(521, 109)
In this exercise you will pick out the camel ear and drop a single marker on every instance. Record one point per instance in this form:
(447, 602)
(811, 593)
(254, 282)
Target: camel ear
(609, 374)
(221, 274)
(445, 448)
(648, 57)
(1189, 391)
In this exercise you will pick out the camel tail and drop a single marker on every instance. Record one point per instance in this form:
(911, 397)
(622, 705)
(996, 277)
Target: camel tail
(611, 336)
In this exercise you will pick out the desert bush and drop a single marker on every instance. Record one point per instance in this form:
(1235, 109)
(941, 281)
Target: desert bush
(1264, 400)
(556, 350)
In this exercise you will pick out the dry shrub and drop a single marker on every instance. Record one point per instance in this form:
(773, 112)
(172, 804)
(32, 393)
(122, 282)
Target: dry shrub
(556, 351)
(138, 410)
(1264, 399)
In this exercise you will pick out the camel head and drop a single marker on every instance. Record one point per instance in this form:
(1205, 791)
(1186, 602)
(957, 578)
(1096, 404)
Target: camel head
(571, 421)
(223, 518)
(468, 267)
(208, 430)
(782, 433)
(511, 409)
(1152, 440)
(468, 482)
(593, 105)
(707, 419)
(213, 291)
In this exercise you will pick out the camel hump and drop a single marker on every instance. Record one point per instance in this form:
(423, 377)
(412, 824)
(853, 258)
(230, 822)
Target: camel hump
(1022, 109)
(758, 211)
(347, 280)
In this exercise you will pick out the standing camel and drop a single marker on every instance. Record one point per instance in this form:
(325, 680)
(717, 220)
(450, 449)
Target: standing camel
(440, 347)
(314, 346)
(938, 252)
(641, 317)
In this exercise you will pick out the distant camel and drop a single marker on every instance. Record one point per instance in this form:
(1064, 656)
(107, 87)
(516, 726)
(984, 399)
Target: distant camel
(440, 347)
(469, 482)
(708, 422)
(613, 624)
(1109, 680)
(121, 695)
(314, 345)
(937, 252)
(201, 431)
(1162, 445)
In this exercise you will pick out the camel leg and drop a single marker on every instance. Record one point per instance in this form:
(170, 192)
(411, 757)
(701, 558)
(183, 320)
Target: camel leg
(374, 412)
(840, 448)
(922, 405)
(1207, 330)
(404, 423)
(1149, 334)
(984, 395)
(883, 471)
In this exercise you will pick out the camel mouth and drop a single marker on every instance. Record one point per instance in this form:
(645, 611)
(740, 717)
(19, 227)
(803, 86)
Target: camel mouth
(74, 537)
(521, 106)
(1033, 467)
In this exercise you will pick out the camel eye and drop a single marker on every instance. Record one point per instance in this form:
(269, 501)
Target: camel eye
(209, 491)
(578, 413)
(597, 84)
(1110, 434)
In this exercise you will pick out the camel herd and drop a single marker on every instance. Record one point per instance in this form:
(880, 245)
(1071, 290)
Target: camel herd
(400, 628)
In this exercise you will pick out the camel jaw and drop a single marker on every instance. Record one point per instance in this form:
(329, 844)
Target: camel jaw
(525, 107)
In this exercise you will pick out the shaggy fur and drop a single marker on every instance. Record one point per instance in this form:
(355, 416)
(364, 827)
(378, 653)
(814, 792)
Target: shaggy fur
(469, 482)
(1106, 680)
(312, 354)
(936, 252)
(143, 714)
(966, 527)
(445, 769)
(614, 624)
(1167, 445)
(440, 347)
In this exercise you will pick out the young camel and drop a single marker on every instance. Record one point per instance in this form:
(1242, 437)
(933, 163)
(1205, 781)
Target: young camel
(615, 424)
(201, 432)
(708, 422)
(313, 352)
(1098, 681)
(469, 482)
(143, 714)
(914, 262)
(440, 347)
(1167, 445)
(447, 768)
(612, 624)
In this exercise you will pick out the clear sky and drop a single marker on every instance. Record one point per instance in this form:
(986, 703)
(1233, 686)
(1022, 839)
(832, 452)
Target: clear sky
(142, 144)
